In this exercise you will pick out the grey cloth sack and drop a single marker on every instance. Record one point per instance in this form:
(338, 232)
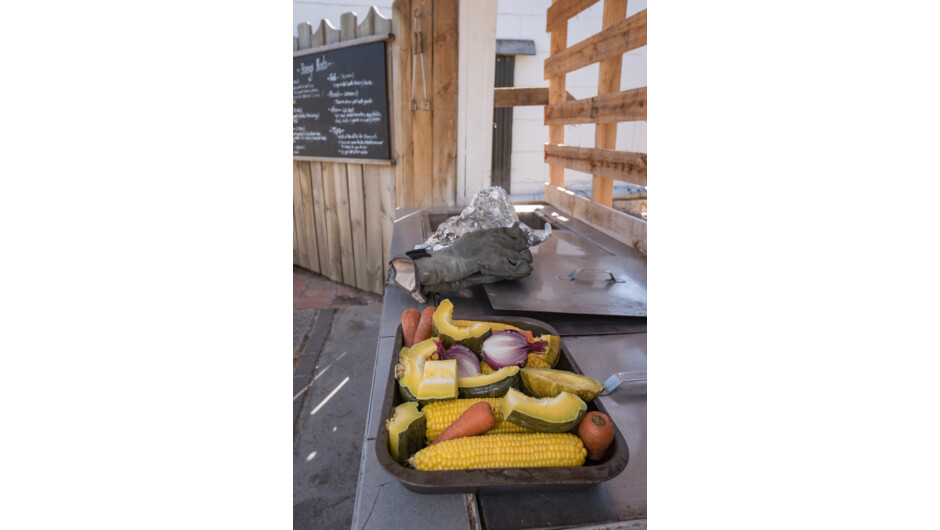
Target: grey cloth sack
(484, 256)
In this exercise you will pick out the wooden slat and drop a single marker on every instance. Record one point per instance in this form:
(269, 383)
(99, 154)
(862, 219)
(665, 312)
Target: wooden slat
(624, 36)
(522, 96)
(608, 82)
(334, 249)
(444, 117)
(326, 34)
(401, 94)
(372, 189)
(302, 251)
(347, 26)
(304, 36)
(319, 219)
(306, 195)
(296, 44)
(422, 127)
(357, 224)
(380, 24)
(618, 225)
(341, 201)
(387, 216)
(562, 11)
(620, 165)
(557, 94)
(629, 105)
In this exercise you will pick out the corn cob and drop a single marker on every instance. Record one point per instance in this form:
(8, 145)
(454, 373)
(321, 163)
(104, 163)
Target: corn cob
(440, 414)
(538, 449)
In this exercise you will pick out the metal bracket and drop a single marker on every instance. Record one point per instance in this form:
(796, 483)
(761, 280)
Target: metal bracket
(574, 275)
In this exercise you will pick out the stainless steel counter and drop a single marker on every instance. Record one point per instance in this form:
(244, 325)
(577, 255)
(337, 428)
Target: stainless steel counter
(599, 346)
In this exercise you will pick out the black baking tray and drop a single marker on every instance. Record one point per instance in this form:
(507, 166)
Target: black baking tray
(498, 480)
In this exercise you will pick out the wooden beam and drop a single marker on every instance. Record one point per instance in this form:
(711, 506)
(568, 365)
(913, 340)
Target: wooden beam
(608, 82)
(513, 96)
(562, 11)
(629, 105)
(444, 118)
(628, 34)
(620, 165)
(618, 225)
(557, 94)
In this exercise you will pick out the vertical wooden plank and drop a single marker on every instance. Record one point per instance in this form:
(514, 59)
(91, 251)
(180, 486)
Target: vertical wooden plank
(357, 224)
(387, 209)
(326, 34)
(306, 196)
(319, 219)
(475, 79)
(347, 26)
(401, 100)
(334, 250)
(422, 132)
(304, 35)
(608, 82)
(380, 24)
(556, 94)
(296, 44)
(372, 176)
(444, 121)
(365, 27)
(341, 202)
(302, 251)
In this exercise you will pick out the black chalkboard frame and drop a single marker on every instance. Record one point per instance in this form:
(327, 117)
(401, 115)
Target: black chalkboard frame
(388, 76)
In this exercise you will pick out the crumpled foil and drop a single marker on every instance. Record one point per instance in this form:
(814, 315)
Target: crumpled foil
(490, 208)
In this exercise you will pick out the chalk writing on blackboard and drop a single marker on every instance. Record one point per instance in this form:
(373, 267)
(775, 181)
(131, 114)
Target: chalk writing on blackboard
(341, 103)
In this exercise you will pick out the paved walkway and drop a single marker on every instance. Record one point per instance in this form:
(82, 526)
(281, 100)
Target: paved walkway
(336, 329)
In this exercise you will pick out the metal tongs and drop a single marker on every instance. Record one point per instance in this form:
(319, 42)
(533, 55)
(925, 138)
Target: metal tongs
(615, 380)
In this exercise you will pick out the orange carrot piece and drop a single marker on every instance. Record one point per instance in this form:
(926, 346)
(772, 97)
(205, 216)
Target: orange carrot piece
(409, 323)
(528, 335)
(475, 420)
(424, 324)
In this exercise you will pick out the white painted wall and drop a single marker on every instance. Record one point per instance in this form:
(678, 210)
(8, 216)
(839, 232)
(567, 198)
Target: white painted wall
(525, 19)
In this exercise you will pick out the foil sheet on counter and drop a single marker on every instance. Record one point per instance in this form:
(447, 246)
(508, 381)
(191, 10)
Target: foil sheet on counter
(490, 208)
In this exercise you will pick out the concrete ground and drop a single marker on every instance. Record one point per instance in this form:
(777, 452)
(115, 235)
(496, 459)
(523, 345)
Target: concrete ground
(336, 331)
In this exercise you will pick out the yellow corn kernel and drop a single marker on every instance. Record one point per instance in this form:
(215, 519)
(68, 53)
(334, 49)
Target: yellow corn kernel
(440, 414)
(536, 449)
(485, 369)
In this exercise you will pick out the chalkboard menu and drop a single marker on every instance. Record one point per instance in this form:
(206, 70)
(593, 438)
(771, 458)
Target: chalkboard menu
(341, 104)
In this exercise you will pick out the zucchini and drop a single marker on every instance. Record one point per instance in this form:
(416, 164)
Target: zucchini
(558, 414)
(410, 368)
(494, 384)
(406, 430)
(443, 327)
(546, 382)
(439, 380)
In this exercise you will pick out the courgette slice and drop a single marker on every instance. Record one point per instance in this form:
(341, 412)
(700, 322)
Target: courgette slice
(406, 430)
(494, 384)
(558, 414)
(546, 382)
(443, 327)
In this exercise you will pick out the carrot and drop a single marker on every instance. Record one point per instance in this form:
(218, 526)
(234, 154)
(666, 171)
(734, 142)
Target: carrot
(475, 420)
(528, 335)
(424, 325)
(409, 322)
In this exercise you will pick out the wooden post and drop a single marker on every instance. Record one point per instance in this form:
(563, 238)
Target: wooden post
(475, 79)
(608, 82)
(556, 94)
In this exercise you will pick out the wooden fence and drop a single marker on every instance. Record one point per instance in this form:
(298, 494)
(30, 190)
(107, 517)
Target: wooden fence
(611, 105)
(344, 212)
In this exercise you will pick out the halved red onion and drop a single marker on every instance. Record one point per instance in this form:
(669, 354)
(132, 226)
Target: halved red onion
(468, 363)
(508, 348)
